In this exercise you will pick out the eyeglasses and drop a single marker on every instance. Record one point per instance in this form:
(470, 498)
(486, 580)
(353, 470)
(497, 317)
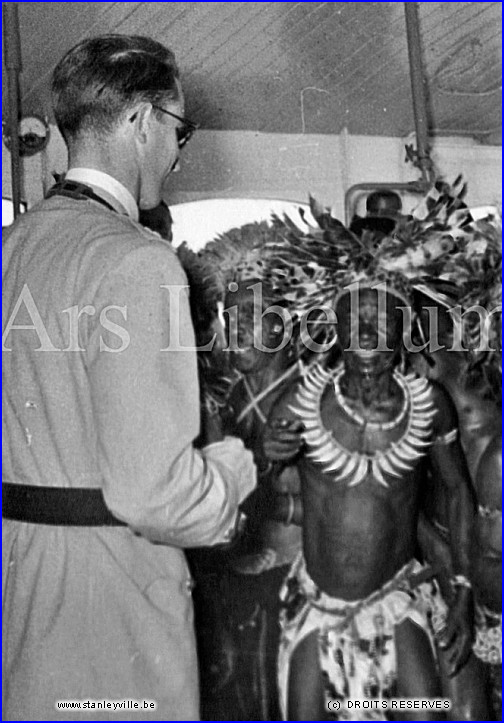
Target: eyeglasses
(184, 133)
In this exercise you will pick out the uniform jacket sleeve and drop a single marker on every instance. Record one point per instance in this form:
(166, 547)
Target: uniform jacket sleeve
(145, 400)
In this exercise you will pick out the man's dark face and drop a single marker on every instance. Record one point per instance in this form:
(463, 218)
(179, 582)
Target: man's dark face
(438, 329)
(369, 328)
(249, 358)
(158, 219)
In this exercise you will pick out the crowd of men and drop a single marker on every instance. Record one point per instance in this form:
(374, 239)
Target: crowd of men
(339, 538)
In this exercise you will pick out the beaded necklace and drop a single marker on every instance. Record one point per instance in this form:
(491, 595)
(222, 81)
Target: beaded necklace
(358, 419)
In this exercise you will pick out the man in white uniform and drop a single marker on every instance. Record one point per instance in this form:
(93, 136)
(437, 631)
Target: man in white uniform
(100, 409)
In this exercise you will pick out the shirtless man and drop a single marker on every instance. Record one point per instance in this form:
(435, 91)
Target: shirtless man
(260, 562)
(264, 377)
(237, 595)
(360, 611)
(479, 417)
(477, 410)
(486, 569)
(486, 552)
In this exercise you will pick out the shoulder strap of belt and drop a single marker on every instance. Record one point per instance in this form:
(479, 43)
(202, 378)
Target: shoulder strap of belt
(77, 191)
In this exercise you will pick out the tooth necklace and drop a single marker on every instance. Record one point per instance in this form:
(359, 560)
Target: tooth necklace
(354, 467)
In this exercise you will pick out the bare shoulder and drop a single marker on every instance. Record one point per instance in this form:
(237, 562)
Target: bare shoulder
(446, 418)
(489, 474)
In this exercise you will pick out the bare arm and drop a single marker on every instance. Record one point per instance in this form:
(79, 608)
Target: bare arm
(282, 437)
(435, 549)
(450, 470)
(281, 442)
(486, 550)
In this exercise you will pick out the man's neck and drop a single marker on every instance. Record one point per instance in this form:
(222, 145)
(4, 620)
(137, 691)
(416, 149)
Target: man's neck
(368, 388)
(106, 162)
(107, 188)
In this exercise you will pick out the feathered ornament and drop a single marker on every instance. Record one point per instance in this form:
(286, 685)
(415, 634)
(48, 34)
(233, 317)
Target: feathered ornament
(438, 244)
(235, 256)
(445, 246)
(482, 287)
(312, 266)
(436, 241)
(307, 267)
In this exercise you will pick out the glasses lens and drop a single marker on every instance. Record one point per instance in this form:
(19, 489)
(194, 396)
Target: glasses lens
(184, 134)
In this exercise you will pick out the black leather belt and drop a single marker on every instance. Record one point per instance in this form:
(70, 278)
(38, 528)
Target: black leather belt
(65, 506)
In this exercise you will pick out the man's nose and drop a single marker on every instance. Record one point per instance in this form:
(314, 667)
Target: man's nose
(367, 314)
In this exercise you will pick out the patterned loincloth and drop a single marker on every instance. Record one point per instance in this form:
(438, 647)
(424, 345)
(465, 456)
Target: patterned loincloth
(488, 648)
(356, 640)
(488, 643)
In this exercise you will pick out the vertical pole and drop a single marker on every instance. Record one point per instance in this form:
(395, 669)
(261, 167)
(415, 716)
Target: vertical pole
(418, 89)
(12, 56)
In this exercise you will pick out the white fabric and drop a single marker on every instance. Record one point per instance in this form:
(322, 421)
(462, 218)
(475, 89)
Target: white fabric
(102, 613)
(109, 184)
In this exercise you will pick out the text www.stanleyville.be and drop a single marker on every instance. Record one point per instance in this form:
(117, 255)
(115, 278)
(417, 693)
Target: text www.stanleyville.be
(117, 706)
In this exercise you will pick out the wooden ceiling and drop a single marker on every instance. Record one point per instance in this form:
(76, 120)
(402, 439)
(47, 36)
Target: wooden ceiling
(305, 67)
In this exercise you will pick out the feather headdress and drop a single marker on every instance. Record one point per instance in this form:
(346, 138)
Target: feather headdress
(314, 264)
(238, 255)
(235, 256)
(438, 245)
(308, 266)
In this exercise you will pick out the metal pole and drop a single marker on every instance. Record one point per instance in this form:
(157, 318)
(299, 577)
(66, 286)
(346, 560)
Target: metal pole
(12, 56)
(418, 89)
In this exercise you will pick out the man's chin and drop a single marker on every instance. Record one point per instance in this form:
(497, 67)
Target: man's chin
(369, 361)
(367, 354)
(368, 358)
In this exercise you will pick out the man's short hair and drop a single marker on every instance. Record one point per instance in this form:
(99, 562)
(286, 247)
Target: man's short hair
(101, 78)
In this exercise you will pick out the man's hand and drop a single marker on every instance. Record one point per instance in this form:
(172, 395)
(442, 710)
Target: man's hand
(456, 639)
(282, 439)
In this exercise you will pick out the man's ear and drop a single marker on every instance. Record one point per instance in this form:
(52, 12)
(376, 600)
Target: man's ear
(141, 119)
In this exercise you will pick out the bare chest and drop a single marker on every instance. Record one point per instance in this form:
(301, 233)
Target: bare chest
(350, 450)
